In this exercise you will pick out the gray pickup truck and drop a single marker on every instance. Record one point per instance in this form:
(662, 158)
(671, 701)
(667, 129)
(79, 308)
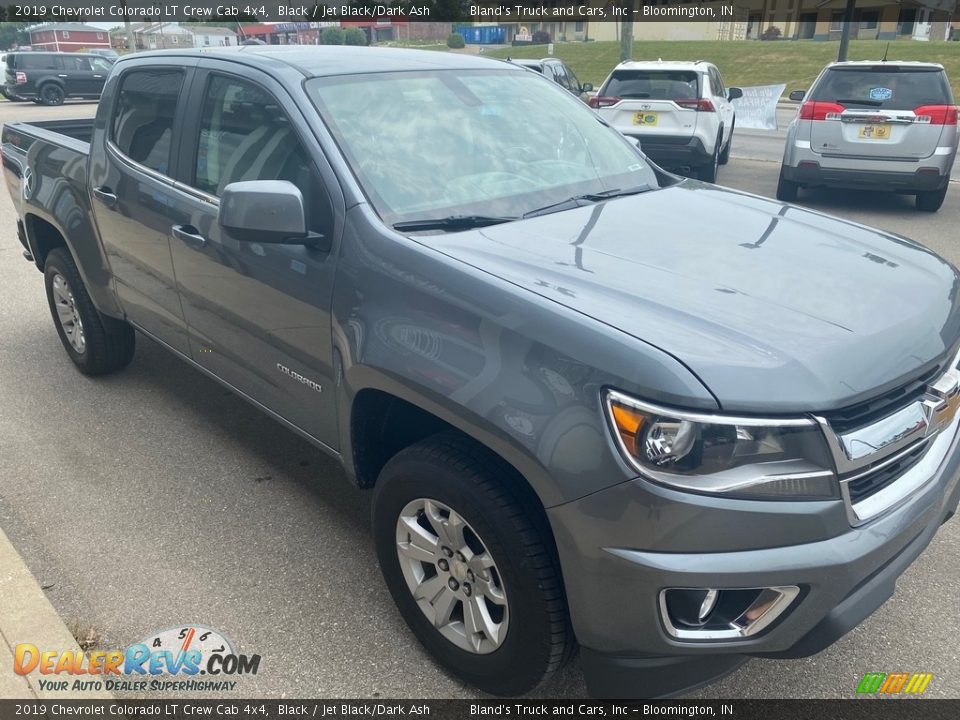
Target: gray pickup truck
(599, 406)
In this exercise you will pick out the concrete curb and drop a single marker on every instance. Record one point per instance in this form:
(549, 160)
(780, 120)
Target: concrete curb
(27, 616)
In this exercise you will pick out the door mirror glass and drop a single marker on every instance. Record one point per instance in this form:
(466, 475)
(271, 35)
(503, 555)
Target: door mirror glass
(734, 93)
(797, 95)
(586, 87)
(264, 211)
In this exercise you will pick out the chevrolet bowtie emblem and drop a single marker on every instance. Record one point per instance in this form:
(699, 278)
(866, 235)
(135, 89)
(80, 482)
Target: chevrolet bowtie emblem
(942, 401)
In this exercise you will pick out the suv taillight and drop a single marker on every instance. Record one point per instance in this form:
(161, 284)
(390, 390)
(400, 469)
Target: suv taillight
(821, 111)
(599, 101)
(21, 78)
(702, 105)
(936, 114)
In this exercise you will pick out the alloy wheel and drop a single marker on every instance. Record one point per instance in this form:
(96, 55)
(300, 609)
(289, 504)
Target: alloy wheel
(452, 576)
(68, 315)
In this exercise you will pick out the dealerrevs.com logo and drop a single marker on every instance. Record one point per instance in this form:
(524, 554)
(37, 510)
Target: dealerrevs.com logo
(190, 658)
(894, 683)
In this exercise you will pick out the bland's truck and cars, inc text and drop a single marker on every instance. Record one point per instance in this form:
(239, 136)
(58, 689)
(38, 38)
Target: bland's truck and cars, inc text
(599, 406)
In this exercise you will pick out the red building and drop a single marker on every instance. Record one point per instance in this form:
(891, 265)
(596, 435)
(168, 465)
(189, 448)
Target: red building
(67, 37)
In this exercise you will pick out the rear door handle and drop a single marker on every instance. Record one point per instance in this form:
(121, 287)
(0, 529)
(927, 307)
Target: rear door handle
(189, 234)
(106, 196)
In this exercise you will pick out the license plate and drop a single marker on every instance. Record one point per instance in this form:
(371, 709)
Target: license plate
(875, 132)
(647, 119)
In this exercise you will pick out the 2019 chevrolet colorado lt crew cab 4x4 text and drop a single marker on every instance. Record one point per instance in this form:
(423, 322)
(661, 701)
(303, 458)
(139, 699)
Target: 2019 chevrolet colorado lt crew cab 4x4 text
(598, 405)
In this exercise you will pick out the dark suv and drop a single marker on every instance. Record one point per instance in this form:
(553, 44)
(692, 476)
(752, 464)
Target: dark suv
(50, 78)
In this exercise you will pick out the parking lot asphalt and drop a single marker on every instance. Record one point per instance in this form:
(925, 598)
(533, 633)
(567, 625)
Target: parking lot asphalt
(155, 498)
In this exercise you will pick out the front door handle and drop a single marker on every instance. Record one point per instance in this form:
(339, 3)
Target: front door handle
(106, 196)
(189, 234)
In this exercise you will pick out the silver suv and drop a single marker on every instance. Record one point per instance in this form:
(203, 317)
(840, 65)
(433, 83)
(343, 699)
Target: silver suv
(874, 125)
(680, 112)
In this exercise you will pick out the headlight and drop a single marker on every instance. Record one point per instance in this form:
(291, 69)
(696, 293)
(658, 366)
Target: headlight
(713, 454)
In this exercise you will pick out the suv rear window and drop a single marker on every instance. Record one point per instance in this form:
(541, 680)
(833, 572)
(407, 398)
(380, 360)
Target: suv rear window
(29, 61)
(884, 87)
(653, 84)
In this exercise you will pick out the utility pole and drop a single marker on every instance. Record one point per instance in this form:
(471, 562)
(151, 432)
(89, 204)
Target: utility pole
(845, 33)
(626, 32)
(131, 38)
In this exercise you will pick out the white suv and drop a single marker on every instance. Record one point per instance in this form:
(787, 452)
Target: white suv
(680, 111)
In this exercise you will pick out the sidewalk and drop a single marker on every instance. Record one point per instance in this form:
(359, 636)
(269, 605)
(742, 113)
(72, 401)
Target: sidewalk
(27, 616)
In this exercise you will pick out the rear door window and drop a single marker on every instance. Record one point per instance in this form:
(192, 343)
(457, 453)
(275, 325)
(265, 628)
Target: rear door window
(143, 116)
(559, 76)
(653, 84)
(883, 88)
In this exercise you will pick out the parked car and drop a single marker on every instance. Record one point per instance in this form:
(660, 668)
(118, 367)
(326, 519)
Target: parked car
(680, 111)
(111, 55)
(885, 126)
(559, 72)
(50, 78)
(590, 411)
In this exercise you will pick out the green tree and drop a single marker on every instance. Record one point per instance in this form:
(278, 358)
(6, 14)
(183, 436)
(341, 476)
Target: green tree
(11, 33)
(331, 36)
(354, 36)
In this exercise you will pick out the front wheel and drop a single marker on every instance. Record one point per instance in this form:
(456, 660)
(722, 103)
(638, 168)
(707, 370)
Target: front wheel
(95, 345)
(932, 200)
(471, 565)
(725, 155)
(708, 173)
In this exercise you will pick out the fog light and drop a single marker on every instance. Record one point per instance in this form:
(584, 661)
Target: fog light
(723, 613)
(691, 608)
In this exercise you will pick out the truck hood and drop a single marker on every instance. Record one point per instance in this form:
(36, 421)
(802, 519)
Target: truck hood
(775, 308)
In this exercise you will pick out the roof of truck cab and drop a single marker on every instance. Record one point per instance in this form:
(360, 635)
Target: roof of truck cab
(320, 60)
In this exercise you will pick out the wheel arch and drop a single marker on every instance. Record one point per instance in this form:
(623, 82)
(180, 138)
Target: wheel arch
(385, 415)
(44, 234)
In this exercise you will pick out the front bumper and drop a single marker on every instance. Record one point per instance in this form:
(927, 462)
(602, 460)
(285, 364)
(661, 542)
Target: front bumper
(613, 580)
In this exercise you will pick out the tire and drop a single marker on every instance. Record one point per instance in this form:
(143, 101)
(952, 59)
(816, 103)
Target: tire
(725, 155)
(96, 345)
(708, 173)
(51, 94)
(787, 190)
(528, 636)
(932, 200)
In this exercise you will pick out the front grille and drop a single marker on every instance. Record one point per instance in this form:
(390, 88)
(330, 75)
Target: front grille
(874, 481)
(870, 411)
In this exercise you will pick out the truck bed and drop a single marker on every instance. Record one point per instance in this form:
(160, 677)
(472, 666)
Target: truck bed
(47, 145)
(80, 129)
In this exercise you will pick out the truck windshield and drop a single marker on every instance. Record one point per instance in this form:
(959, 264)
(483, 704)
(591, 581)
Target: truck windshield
(493, 144)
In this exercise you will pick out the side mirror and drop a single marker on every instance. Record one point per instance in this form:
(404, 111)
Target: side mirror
(797, 95)
(734, 93)
(586, 87)
(264, 211)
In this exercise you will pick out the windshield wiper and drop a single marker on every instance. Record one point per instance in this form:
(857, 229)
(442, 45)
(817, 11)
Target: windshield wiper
(452, 222)
(588, 197)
